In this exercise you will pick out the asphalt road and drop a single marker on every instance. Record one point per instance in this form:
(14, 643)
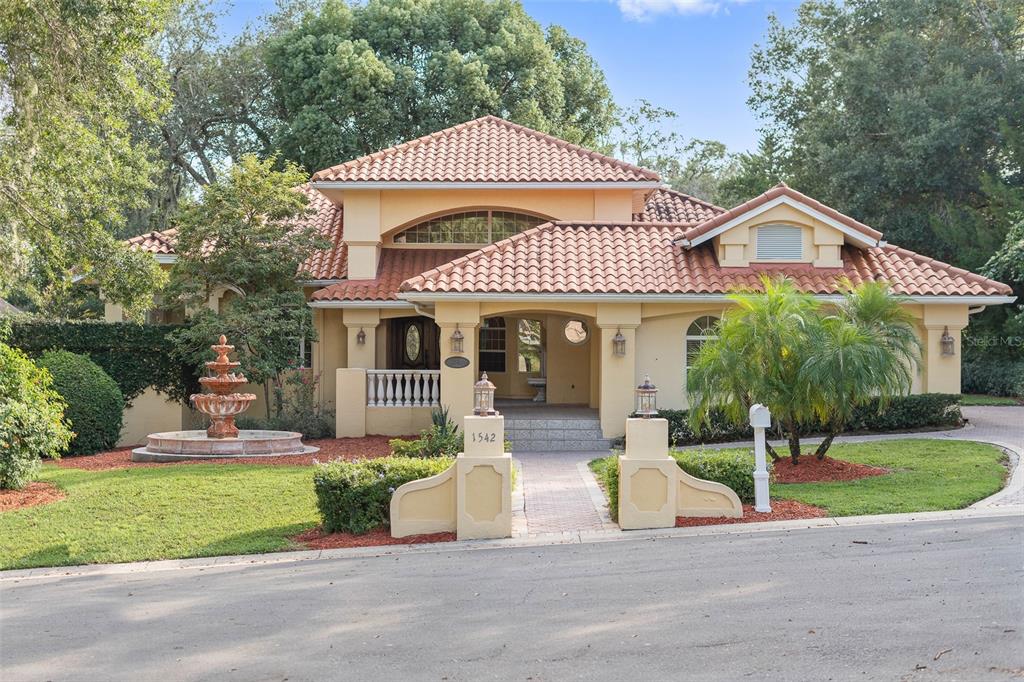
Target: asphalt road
(916, 601)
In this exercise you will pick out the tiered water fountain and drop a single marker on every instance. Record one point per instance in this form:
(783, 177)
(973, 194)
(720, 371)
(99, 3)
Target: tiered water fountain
(222, 438)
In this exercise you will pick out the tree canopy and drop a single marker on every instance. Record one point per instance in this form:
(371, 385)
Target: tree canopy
(349, 79)
(902, 114)
(74, 75)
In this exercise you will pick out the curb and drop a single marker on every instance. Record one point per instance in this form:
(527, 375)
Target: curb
(542, 540)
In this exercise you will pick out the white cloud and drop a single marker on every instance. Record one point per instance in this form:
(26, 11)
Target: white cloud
(642, 10)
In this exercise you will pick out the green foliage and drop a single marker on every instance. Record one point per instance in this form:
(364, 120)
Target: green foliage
(900, 413)
(136, 356)
(754, 172)
(301, 410)
(731, 468)
(905, 115)
(355, 497)
(442, 439)
(167, 512)
(349, 79)
(243, 236)
(994, 376)
(74, 75)
(32, 422)
(779, 349)
(95, 406)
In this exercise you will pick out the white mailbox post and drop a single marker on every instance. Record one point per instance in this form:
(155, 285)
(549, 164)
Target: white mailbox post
(760, 419)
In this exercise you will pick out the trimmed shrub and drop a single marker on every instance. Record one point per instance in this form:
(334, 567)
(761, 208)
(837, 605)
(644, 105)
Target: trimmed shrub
(355, 497)
(95, 406)
(994, 376)
(733, 469)
(31, 418)
(905, 413)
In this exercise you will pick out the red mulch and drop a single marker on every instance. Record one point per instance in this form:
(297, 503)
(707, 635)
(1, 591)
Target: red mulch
(316, 539)
(351, 449)
(30, 496)
(812, 470)
(782, 510)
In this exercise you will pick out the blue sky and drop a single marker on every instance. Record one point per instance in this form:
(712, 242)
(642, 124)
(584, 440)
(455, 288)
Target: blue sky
(690, 56)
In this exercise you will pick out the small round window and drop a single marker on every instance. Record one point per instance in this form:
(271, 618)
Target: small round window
(412, 343)
(576, 332)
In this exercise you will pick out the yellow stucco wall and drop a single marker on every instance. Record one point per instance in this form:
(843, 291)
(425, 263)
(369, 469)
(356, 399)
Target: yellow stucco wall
(151, 413)
(737, 247)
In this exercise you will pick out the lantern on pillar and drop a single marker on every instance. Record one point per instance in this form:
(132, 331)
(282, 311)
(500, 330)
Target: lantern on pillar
(947, 342)
(361, 337)
(457, 339)
(483, 397)
(646, 399)
(619, 344)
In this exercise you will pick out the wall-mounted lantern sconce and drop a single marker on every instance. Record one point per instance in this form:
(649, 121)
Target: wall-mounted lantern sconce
(619, 344)
(646, 399)
(947, 342)
(361, 337)
(457, 339)
(483, 397)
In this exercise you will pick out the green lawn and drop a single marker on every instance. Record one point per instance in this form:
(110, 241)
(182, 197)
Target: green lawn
(160, 513)
(987, 400)
(926, 475)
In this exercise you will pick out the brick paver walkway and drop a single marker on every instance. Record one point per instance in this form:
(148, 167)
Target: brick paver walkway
(556, 497)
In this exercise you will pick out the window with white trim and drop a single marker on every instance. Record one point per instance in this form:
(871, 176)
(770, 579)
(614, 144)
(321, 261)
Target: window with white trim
(305, 353)
(780, 242)
(701, 330)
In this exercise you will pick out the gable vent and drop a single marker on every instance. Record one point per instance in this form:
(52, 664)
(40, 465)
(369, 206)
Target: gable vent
(780, 242)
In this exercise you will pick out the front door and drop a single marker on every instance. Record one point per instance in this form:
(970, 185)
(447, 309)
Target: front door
(413, 343)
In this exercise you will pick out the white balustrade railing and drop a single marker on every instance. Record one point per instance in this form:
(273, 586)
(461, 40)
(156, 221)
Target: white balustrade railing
(403, 388)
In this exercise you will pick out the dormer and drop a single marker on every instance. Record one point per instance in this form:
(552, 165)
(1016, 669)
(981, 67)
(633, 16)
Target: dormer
(781, 227)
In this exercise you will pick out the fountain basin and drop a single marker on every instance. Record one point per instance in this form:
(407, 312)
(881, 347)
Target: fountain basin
(178, 446)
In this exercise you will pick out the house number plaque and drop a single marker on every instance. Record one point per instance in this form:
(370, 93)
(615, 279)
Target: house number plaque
(456, 362)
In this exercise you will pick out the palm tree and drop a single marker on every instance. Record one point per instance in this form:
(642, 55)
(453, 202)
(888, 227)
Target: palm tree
(778, 348)
(757, 357)
(867, 349)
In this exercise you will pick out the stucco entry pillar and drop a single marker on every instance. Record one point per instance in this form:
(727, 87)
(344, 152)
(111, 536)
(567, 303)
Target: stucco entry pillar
(942, 372)
(647, 477)
(363, 355)
(618, 373)
(483, 476)
(458, 369)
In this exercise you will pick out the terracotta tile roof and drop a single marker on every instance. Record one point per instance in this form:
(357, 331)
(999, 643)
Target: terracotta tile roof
(666, 205)
(330, 263)
(781, 189)
(396, 265)
(155, 242)
(639, 258)
(487, 149)
(327, 216)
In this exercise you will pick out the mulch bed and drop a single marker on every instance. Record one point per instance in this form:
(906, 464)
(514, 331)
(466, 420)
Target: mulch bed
(812, 470)
(316, 539)
(350, 449)
(782, 510)
(32, 495)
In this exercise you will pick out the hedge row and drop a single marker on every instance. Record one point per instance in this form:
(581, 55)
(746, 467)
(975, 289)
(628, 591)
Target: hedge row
(995, 376)
(136, 356)
(355, 497)
(910, 412)
(732, 469)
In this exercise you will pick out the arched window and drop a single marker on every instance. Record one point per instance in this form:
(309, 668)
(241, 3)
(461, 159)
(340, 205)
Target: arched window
(492, 344)
(469, 227)
(702, 329)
